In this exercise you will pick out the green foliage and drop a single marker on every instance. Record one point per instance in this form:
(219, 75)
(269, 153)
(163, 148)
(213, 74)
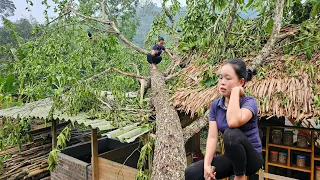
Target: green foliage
(63, 137)
(199, 18)
(306, 41)
(209, 78)
(316, 101)
(7, 8)
(146, 155)
(13, 133)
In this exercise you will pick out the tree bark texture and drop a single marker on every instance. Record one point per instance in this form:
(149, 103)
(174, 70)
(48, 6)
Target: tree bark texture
(169, 155)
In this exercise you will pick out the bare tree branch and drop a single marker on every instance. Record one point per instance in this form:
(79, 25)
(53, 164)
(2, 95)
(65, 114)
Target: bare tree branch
(98, 75)
(195, 127)
(168, 78)
(233, 14)
(129, 74)
(219, 17)
(90, 18)
(138, 110)
(104, 103)
(103, 9)
(267, 49)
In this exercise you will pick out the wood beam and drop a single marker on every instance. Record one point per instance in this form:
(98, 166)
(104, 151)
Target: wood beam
(54, 133)
(94, 152)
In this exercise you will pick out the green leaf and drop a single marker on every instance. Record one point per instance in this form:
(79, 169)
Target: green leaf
(249, 3)
(270, 26)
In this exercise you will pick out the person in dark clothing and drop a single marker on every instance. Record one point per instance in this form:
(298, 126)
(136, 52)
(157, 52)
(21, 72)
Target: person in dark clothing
(154, 57)
(236, 116)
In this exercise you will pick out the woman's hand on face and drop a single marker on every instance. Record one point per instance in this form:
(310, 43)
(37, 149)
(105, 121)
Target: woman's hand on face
(209, 174)
(240, 90)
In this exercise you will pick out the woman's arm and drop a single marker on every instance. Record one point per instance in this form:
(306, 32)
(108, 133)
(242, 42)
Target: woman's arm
(154, 52)
(211, 143)
(237, 117)
(167, 51)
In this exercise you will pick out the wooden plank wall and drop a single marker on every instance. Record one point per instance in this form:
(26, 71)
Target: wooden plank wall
(110, 170)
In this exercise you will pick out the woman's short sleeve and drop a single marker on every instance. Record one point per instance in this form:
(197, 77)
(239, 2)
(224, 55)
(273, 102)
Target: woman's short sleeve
(212, 111)
(251, 104)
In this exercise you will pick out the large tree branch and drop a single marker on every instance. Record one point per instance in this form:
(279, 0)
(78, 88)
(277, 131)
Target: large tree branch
(195, 127)
(114, 30)
(142, 84)
(267, 49)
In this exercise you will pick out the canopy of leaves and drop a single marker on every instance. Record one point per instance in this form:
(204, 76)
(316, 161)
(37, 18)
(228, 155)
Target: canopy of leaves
(7, 8)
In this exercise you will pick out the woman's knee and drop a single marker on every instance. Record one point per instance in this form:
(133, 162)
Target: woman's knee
(231, 134)
(194, 171)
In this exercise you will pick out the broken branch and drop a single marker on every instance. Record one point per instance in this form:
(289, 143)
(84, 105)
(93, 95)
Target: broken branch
(98, 75)
(219, 17)
(129, 74)
(195, 127)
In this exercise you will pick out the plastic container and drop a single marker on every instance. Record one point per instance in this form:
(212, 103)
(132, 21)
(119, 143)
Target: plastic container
(282, 157)
(317, 172)
(288, 138)
(274, 156)
(301, 161)
(276, 136)
(302, 140)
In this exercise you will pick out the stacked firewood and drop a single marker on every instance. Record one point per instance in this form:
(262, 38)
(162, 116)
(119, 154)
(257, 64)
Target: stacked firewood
(32, 161)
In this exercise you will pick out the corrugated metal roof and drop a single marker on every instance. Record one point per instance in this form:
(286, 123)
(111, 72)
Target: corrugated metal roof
(40, 109)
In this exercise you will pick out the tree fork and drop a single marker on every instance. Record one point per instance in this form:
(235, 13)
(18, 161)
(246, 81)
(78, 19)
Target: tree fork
(169, 155)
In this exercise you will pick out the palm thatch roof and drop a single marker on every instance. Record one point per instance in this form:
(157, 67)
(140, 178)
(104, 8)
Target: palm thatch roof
(286, 86)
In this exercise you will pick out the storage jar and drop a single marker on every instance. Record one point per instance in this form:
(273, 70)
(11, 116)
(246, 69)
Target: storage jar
(274, 156)
(282, 157)
(301, 161)
(276, 136)
(317, 172)
(288, 138)
(302, 140)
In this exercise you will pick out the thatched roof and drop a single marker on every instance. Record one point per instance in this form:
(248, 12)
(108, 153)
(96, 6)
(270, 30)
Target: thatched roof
(287, 88)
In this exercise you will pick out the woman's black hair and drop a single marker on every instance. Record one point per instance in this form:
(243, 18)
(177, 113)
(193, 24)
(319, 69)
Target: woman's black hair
(160, 39)
(240, 68)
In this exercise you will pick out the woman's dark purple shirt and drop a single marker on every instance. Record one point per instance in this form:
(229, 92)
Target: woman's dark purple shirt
(218, 113)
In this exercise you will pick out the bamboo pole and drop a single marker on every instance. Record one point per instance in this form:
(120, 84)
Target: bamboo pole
(94, 149)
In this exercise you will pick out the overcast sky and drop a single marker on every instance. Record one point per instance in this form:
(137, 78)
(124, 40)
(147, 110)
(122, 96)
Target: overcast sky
(37, 9)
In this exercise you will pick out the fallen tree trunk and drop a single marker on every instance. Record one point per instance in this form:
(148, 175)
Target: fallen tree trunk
(169, 155)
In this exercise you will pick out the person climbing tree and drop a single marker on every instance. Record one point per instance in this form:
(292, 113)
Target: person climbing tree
(154, 57)
(235, 115)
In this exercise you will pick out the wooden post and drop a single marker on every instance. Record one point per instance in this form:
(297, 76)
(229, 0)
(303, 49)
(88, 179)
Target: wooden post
(267, 151)
(312, 155)
(54, 133)
(94, 149)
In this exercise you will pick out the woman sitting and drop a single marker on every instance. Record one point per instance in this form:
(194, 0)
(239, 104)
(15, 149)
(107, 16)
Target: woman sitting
(235, 115)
